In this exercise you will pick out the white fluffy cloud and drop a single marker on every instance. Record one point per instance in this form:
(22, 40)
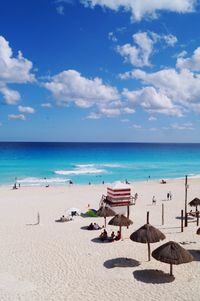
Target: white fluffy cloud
(176, 90)
(140, 52)
(138, 55)
(93, 116)
(152, 118)
(11, 97)
(192, 63)
(144, 8)
(185, 126)
(71, 87)
(16, 116)
(46, 105)
(170, 39)
(152, 101)
(12, 70)
(28, 110)
(181, 87)
(136, 126)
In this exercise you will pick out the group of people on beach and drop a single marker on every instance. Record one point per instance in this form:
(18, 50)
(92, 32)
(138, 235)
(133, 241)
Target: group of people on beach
(104, 236)
(94, 226)
(169, 198)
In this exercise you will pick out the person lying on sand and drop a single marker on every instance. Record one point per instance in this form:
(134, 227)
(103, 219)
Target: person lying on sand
(63, 219)
(96, 226)
(93, 227)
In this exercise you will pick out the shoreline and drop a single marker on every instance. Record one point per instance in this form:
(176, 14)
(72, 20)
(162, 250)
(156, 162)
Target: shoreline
(100, 183)
(131, 182)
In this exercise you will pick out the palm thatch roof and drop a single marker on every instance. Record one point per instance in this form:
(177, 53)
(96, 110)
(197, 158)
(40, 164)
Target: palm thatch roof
(147, 233)
(171, 252)
(105, 212)
(195, 202)
(198, 231)
(120, 220)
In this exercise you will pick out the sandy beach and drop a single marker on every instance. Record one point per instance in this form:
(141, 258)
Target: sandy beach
(62, 261)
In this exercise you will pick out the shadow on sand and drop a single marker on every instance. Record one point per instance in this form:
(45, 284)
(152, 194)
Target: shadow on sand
(121, 262)
(86, 228)
(195, 254)
(189, 218)
(33, 224)
(98, 240)
(153, 276)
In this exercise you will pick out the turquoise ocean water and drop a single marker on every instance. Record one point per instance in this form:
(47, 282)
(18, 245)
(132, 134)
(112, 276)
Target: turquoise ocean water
(56, 163)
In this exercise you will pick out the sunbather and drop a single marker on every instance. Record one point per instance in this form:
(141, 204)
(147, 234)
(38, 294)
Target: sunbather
(118, 236)
(90, 227)
(112, 236)
(104, 235)
(63, 219)
(96, 226)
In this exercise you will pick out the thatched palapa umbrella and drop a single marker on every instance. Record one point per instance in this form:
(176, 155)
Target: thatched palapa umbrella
(195, 203)
(121, 221)
(172, 253)
(105, 212)
(147, 234)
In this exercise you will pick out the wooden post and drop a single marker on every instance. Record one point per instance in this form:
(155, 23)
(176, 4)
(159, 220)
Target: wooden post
(147, 217)
(38, 218)
(186, 188)
(149, 252)
(171, 271)
(197, 213)
(182, 220)
(128, 213)
(162, 214)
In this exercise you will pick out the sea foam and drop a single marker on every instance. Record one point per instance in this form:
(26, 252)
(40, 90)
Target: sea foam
(81, 170)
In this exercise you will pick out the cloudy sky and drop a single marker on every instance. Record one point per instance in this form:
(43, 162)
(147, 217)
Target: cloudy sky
(100, 70)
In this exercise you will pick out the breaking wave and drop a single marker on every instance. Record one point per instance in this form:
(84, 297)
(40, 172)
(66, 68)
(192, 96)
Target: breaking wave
(81, 170)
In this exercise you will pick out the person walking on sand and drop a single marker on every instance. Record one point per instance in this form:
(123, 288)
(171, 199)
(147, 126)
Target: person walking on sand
(168, 196)
(153, 200)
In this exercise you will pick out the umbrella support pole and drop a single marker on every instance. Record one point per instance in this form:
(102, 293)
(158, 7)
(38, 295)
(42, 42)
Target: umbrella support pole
(105, 221)
(149, 252)
(197, 214)
(171, 274)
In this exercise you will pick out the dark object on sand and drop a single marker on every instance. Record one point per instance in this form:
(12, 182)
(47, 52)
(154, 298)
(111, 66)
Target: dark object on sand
(147, 234)
(105, 212)
(120, 221)
(172, 253)
(195, 203)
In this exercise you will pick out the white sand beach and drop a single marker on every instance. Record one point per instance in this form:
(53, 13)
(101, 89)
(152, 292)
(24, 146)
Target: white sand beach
(62, 261)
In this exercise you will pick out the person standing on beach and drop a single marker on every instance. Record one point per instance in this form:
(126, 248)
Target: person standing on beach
(168, 196)
(153, 200)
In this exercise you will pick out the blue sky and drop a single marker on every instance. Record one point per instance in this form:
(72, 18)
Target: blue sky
(100, 70)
